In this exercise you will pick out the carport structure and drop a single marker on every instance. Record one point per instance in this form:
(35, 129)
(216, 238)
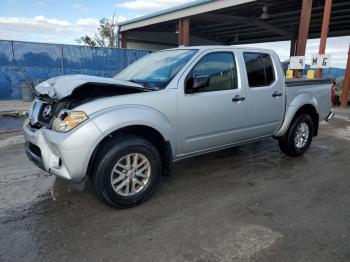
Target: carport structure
(234, 22)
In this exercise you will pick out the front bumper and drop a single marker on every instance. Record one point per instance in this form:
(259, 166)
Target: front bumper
(65, 155)
(34, 154)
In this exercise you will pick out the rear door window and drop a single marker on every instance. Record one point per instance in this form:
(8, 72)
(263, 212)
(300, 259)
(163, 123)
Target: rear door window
(260, 69)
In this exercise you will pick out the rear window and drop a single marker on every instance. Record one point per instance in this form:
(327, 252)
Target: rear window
(260, 69)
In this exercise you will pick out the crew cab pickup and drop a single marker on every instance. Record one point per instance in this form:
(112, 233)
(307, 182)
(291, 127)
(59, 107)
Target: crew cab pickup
(124, 132)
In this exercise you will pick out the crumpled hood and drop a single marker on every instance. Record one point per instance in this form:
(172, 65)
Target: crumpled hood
(62, 86)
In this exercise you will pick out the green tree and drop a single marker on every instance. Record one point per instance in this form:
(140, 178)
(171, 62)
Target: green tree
(105, 36)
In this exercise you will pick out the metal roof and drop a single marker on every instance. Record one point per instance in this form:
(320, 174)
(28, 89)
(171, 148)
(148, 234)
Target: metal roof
(228, 47)
(165, 11)
(184, 10)
(238, 21)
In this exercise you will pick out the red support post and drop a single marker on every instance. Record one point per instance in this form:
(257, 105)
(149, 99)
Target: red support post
(303, 29)
(124, 36)
(184, 31)
(324, 32)
(346, 85)
(293, 44)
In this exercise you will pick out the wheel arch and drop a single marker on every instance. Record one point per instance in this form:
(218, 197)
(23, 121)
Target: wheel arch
(294, 112)
(149, 133)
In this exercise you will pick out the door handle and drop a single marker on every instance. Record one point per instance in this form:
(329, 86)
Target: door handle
(238, 98)
(276, 94)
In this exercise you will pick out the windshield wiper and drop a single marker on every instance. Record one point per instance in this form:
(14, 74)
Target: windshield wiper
(136, 82)
(143, 84)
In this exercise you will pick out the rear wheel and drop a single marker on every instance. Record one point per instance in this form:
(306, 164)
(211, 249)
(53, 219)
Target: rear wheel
(298, 137)
(127, 171)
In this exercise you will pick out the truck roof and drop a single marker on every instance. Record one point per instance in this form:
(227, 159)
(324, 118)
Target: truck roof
(237, 47)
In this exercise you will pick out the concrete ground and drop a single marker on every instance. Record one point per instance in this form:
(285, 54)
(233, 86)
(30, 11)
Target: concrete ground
(249, 203)
(10, 106)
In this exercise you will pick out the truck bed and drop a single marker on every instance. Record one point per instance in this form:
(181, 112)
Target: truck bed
(319, 88)
(305, 82)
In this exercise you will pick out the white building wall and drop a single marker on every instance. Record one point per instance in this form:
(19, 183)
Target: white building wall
(153, 41)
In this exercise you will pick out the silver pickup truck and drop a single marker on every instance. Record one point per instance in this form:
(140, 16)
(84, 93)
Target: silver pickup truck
(124, 132)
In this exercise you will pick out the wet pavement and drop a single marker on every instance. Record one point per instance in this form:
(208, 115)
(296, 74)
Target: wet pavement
(9, 123)
(249, 203)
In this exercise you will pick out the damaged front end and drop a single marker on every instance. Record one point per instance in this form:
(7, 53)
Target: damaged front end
(46, 110)
(56, 96)
(54, 112)
(41, 113)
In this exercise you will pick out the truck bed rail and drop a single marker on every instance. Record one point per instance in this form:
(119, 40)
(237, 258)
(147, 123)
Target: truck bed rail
(304, 82)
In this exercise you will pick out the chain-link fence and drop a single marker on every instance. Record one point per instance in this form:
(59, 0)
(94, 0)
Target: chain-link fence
(33, 62)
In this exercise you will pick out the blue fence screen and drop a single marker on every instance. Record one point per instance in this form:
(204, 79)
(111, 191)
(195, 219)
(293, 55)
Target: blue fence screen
(328, 73)
(23, 61)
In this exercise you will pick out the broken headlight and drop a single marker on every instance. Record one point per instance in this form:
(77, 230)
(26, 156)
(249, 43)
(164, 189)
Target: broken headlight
(67, 120)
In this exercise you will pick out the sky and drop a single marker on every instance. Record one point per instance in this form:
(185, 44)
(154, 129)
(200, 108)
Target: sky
(64, 21)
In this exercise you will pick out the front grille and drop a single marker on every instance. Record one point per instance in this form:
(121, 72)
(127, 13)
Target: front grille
(35, 112)
(39, 117)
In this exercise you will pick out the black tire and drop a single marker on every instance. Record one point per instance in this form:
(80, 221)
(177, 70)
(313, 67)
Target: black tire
(287, 142)
(106, 160)
(282, 146)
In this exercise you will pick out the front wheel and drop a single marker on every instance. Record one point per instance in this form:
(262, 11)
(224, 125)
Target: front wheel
(127, 172)
(298, 137)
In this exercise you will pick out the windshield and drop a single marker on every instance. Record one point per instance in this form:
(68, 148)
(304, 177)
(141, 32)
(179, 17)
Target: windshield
(157, 69)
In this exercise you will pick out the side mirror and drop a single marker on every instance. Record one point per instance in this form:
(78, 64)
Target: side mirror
(196, 82)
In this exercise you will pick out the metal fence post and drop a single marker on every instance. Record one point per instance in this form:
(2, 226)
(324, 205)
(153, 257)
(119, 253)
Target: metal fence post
(13, 52)
(62, 61)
